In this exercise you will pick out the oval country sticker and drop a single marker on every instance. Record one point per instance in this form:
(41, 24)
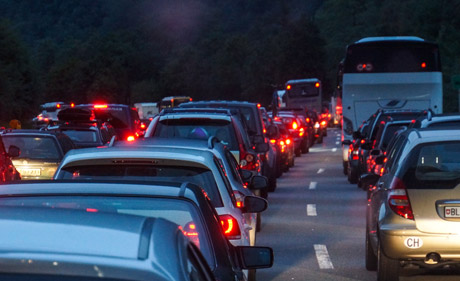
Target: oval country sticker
(413, 242)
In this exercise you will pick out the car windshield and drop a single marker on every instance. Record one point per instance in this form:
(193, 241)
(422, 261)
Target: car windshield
(198, 128)
(179, 211)
(433, 166)
(199, 176)
(34, 147)
(81, 136)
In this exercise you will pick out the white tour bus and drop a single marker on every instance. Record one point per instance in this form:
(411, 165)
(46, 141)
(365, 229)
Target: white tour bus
(304, 93)
(389, 73)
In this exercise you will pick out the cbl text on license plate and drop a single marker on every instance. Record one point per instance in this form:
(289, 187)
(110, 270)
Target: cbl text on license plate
(452, 212)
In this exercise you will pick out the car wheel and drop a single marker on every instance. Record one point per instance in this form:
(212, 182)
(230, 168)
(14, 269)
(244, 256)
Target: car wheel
(271, 183)
(298, 152)
(352, 175)
(345, 168)
(325, 133)
(305, 146)
(387, 269)
(292, 162)
(371, 258)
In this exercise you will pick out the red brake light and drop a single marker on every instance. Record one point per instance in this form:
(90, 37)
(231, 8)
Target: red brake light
(288, 141)
(273, 141)
(294, 125)
(398, 199)
(239, 197)
(91, 210)
(288, 87)
(130, 138)
(423, 65)
(143, 126)
(317, 85)
(72, 104)
(230, 227)
(58, 105)
(258, 105)
(100, 106)
(307, 119)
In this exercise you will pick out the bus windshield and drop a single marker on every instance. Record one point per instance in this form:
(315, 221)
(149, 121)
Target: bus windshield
(392, 56)
(299, 90)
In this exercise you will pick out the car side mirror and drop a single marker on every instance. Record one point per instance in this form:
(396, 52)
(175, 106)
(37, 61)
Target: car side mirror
(357, 135)
(254, 204)
(259, 182)
(14, 151)
(258, 139)
(254, 257)
(346, 142)
(376, 152)
(380, 159)
(262, 147)
(273, 132)
(369, 179)
(366, 146)
(245, 175)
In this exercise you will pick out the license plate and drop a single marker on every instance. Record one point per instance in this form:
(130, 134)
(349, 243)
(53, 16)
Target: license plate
(29, 172)
(452, 212)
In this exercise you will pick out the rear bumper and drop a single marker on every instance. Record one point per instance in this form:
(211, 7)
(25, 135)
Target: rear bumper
(411, 244)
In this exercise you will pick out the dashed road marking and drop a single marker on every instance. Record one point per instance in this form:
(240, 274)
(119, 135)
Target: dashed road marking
(321, 170)
(311, 210)
(337, 142)
(313, 185)
(324, 261)
(334, 149)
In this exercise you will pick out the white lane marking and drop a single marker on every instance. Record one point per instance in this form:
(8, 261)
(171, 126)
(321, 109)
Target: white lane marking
(337, 142)
(313, 185)
(324, 261)
(320, 171)
(311, 210)
(334, 149)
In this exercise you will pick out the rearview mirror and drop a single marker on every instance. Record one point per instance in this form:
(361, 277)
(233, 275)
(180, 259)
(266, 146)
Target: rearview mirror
(261, 147)
(254, 204)
(14, 151)
(255, 257)
(259, 182)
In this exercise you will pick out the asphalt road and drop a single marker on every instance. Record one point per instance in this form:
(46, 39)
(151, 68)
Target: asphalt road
(315, 222)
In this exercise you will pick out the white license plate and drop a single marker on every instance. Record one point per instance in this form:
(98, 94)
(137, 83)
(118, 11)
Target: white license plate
(452, 212)
(29, 172)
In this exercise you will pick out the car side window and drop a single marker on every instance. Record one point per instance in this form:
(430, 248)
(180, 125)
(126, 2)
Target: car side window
(223, 172)
(197, 267)
(394, 154)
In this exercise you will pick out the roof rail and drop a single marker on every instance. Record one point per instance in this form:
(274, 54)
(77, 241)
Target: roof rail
(144, 241)
(211, 141)
(183, 186)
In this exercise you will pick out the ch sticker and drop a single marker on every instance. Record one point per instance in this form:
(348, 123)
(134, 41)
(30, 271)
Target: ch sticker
(413, 242)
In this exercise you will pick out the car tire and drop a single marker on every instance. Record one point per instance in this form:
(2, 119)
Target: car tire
(387, 268)
(298, 152)
(305, 147)
(371, 258)
(345, 168)
(352, 175)
(325, 133)
(271, 183)
(292, 162)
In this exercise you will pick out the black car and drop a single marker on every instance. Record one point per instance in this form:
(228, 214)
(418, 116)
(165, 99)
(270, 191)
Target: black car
(182, 203)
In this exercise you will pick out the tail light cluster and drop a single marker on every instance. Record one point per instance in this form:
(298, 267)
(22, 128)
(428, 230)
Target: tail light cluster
(191, 232)
(230, 227)
(249, 161)
(239, 198)
(398, 199)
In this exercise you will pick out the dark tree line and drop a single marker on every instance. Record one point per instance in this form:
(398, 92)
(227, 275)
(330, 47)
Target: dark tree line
(129, 51)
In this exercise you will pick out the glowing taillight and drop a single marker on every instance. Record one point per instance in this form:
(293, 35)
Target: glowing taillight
(100, 106)
(72, 104)
(258, 105)
(143, 126)
(91, 210)
(307, 119)
(317, 125)
(239, 198)
(398, 199)
(230, 227)
(423, 65)
(323, 123)
(58, 105)
(295, 125)
(288, 141)
(317, 85)
(288, 87)
(130, 138)
(273, 141)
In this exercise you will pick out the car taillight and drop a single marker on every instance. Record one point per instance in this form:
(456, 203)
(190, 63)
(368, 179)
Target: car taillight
(355, 154)
(248, 161)
(100, 106)
(230, 227)
(273, 141)
(323, 123)
(295, 125)
(130, 138)
(317, 125)
(239, 198)
(398, 199)
(288, 141)
(301, 132)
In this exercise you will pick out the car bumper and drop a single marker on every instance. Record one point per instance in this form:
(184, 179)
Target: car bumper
(411, 244)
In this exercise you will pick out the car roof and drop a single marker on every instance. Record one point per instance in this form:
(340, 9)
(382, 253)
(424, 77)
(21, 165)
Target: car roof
(171, 189)
(87, 239)
(29, 132)
(221, 102)
(306, 80)
(196, 115)
(433, 135)
(179, 143)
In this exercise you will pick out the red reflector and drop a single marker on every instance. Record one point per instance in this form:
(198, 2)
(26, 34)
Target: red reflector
(423, 65)
(91, 210)
(230, 227)
(130, 138)
(99, 106)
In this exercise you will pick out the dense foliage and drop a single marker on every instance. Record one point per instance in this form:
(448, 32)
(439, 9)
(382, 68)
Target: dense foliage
(131, 51)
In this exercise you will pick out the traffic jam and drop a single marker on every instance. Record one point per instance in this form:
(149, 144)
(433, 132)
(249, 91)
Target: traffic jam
(299, 189)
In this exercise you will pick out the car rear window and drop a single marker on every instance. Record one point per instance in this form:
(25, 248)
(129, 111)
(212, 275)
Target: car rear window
(199, 176)
(433, 166)
(81, 136)
(34, 147)
(198, 128)
(179, 211)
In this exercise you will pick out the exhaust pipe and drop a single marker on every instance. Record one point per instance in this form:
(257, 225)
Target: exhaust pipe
(432, 258)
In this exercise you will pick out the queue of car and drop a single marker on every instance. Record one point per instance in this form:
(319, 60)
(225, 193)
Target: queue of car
(181, 199)
(408, 162)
